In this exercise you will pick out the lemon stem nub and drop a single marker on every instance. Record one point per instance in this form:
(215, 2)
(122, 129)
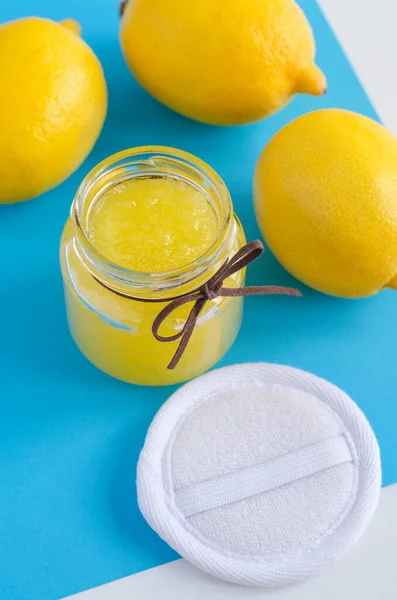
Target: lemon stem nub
(312, 81)
(72, 25)
(393, 283)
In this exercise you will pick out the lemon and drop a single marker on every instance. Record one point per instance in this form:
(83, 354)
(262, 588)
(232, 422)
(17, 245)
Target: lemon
(326, 201)
(221, 62)
(53, 103)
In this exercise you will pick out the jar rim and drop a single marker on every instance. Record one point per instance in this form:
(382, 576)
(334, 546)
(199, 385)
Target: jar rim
(139, 162)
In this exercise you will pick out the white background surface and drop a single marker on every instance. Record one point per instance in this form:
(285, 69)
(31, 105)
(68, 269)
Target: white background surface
(366, 29)
(367, 32)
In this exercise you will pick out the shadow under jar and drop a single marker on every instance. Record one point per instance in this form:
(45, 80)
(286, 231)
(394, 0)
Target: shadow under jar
(148, 225)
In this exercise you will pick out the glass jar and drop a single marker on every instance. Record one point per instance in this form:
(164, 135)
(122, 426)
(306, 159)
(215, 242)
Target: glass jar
(111, 310)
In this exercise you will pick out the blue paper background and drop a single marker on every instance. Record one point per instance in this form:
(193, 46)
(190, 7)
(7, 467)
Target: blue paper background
(70, 435)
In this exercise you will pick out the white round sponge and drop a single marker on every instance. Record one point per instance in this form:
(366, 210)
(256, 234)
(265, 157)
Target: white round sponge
(259, 474)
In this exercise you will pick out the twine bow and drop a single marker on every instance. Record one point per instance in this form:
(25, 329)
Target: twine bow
(211, 290)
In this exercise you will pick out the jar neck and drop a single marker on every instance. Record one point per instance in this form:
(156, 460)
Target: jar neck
(150, 162)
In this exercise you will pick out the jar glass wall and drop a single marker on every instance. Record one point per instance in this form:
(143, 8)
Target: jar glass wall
(111, 309)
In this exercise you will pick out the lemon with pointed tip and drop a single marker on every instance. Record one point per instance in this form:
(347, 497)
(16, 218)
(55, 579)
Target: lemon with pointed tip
(53, 102)
(326, 201)
(221, 62)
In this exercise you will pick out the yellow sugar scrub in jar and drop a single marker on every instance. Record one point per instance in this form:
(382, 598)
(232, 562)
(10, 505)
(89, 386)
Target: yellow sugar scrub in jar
(153, 262)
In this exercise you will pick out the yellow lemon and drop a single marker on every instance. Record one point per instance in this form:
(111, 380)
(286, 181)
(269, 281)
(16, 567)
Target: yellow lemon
(326, 202)
(53, 103)
(221, 62)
